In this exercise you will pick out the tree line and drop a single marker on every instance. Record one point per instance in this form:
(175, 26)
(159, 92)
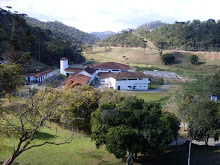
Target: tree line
(192, 36)
(126, 38)
(19, 42)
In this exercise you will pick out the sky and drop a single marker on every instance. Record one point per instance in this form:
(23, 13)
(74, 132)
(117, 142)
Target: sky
(114, 15)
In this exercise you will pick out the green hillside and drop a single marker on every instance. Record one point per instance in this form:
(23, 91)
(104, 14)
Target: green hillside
(18, 39)
(195, 35)
(71, 34)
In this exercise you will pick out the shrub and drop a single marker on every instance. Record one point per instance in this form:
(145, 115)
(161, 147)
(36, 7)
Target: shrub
(168, 59)
(193, 59)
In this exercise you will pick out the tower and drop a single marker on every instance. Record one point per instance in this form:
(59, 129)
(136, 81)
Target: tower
(63, 65)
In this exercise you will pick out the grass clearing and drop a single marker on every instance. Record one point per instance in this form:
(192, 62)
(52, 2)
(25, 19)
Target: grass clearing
(83, 151)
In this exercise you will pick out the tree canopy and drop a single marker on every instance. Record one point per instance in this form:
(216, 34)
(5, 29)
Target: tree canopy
(133, 126)
(195, 36)
(168, 58)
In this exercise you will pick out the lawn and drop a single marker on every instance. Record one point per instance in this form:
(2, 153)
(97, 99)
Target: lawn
(82, 151)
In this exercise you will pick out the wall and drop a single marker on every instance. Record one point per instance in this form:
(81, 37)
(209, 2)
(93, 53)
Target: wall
(131, 84)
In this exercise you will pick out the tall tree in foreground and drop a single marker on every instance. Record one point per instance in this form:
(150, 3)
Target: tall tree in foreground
(25, 117)
(133, 126)
(11, 78)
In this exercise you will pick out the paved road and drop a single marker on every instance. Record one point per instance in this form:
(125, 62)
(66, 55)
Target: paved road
(211, 142)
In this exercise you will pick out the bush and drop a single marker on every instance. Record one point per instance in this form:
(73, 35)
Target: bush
(168, 59)
(193, 59)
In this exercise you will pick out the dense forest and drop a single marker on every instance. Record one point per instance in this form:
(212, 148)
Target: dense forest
(19, 40)
(104, 34)
(71, 34)
(151, 25)
(194, 36)
(126, 38)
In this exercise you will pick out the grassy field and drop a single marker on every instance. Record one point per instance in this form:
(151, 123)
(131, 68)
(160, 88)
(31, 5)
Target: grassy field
(82, 151)
(196, 76)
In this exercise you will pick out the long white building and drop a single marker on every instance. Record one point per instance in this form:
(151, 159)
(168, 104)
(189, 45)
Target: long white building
(126, 81)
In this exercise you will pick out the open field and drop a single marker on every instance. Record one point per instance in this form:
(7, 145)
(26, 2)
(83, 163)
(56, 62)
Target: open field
(196, 77)
(82, 151)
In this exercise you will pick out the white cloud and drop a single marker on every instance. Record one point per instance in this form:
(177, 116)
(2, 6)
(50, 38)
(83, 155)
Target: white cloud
(100, 15)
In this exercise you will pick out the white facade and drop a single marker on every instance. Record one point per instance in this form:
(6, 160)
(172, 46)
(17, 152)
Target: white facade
(126, 84)
(63, 65)
(38, 77)
(213, 98)
(110, 70)
(29, 78)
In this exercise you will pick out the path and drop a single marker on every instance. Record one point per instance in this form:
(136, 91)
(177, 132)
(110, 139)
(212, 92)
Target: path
(211, 142)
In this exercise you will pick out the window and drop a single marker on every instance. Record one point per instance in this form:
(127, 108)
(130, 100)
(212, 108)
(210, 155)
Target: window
(132, 79)
(129, 86)
(140, 78)
(114, 70)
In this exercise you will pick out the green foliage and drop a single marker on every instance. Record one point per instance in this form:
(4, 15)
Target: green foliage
(168, 59)
(193, 59)
(133, 126)
(11, 78)
(124, 39)
(194, 36)
(214, 85)
(71, 34)
(20, 41)
(80, 102)
(201, 116)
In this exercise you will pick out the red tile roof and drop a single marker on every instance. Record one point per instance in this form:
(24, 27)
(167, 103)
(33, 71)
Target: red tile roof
(128, 75)
(64, 58)
(111, 65)
(78, 78)
(43, 73)
(105, 74)
(76, 70)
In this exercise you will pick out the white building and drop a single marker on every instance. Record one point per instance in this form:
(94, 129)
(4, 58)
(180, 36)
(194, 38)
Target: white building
(63, 65)
(75, 72)
(39, 77)
(110, 67)
(126, 81)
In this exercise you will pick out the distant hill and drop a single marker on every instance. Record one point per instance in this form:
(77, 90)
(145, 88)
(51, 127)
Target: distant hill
(104, 34)
(73, 35)
(191, 36)
(124, 39)
(17, 38)
(151, 25)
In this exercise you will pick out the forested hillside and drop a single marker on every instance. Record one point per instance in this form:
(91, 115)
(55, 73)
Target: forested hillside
(195, 35)
(151, 25)
(124, 39)
(71, 34)
(104, 34)
(18, 40)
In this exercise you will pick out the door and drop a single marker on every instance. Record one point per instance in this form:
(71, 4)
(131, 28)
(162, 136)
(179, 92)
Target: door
(119, 87)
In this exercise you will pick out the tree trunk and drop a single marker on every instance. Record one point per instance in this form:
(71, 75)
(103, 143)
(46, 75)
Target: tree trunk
(11, 159)
(206, 140)
(130, 159)
(189, 155)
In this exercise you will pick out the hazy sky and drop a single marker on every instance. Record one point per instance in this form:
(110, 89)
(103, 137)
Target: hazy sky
(115, 15)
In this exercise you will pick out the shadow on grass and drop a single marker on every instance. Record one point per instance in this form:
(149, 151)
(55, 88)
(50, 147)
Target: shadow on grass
(43, 135)
(201, 63)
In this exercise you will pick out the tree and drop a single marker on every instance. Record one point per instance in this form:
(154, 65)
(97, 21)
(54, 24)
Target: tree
(133, 126)
(11, 78)
(80, 102)
(193, 59)
(201, 116)
(167, 59)
(214, 85)
(24, 118)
